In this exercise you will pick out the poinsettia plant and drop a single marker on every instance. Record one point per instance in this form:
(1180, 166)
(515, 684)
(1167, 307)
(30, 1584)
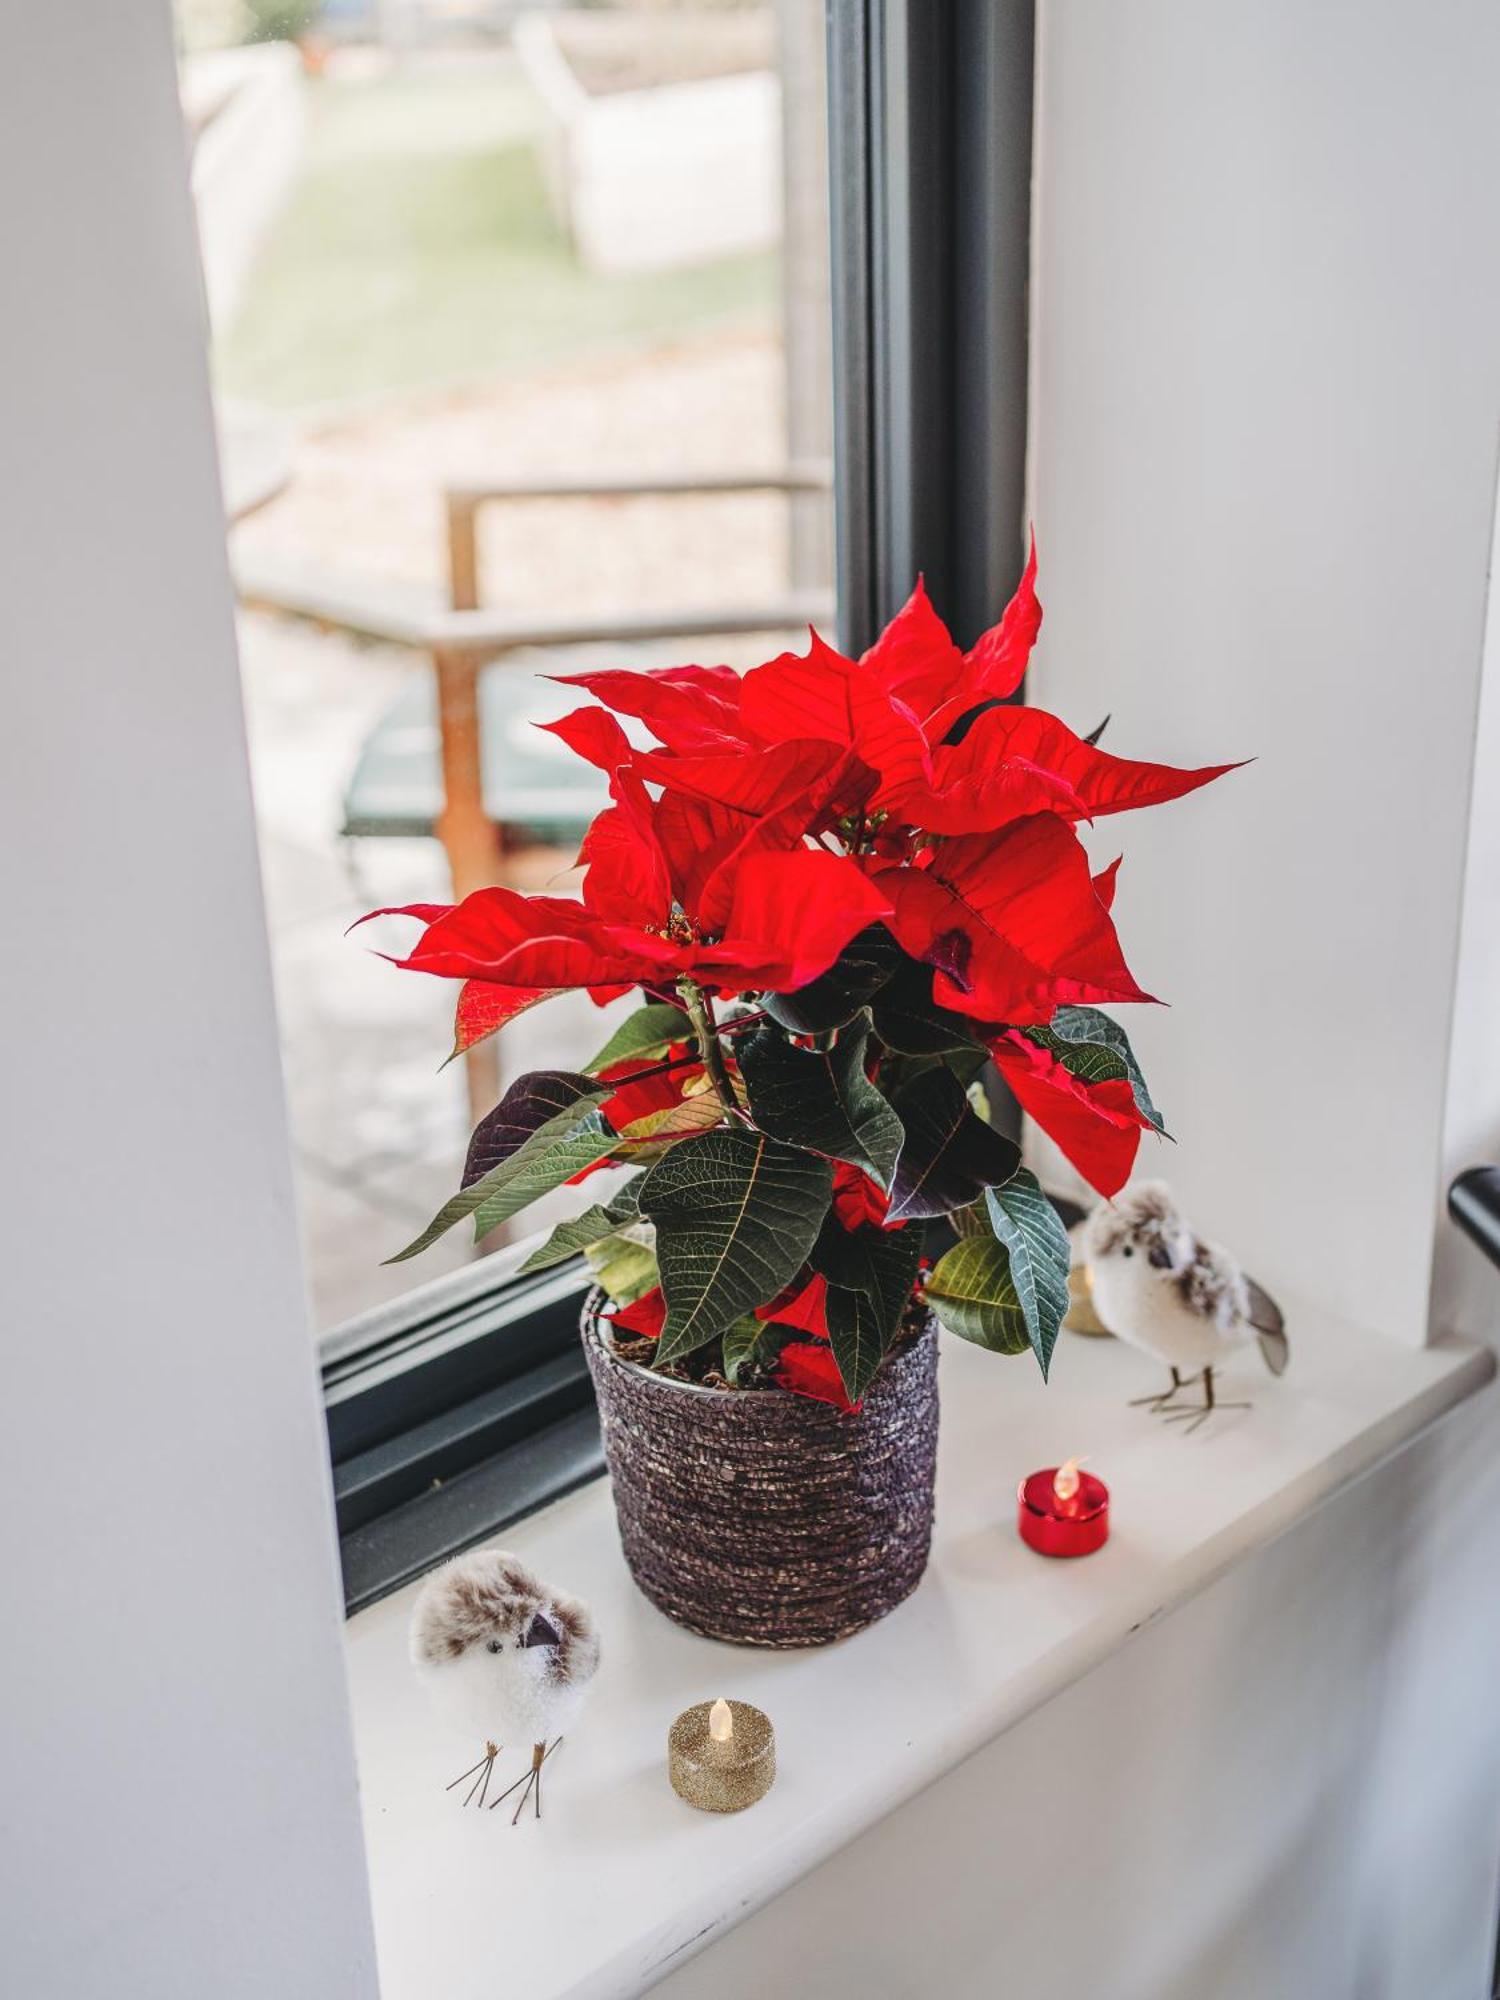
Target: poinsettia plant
(843, 888)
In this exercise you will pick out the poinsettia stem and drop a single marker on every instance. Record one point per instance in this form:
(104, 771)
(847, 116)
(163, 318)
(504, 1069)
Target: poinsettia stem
(700, 1013)
(741, 1021)
(695, 1060)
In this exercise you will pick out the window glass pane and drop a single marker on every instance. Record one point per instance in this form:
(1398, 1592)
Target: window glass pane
(451, 241)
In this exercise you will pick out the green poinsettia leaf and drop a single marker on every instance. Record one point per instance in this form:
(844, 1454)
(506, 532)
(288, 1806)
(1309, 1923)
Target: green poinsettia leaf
(909, 1020)
(857, 1336)
(736, 1213)
(870, 1273)
(865, 1316)
(821, 1099)
(534, 1101)
(856, 975)
(971, 1292)
(624, 1268)
(740, 1343)
(1086, 1027)
(968, 1065)
(949, 1156)
(971, 1221)
(881, 1263)
(542, 1165)
(580, 1232)
(645, 1034)
(1090, 1062)
(571, 1238)
(1040, 1257)
(572, 1138)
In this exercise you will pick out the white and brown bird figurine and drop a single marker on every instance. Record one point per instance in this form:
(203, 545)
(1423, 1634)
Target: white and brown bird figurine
(506, 1659)
(1167, 1291)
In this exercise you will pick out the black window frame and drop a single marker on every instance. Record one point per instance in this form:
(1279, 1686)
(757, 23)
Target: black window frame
(466, 1404)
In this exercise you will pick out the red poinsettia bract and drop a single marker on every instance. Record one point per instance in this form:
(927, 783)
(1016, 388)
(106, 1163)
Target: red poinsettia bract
(878, 861)
(804, 1304)
(1011, 923)
(768, 916)
(808, 1368)
(644, 1318)
(876, 731)
(857, 1200)
(1097, 1125)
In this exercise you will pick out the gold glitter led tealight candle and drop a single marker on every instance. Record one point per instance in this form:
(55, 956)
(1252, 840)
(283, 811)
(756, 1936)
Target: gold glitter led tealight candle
(721, 1756)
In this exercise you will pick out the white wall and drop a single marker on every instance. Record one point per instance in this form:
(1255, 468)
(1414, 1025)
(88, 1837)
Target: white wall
(1463, 1284)
(1265, 420)
(249, 107)
(1265, 413)
(179, 1793)
(1287, 1790)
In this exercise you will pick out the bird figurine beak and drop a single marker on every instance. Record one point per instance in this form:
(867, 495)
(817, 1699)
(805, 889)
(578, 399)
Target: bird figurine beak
(542, 1632)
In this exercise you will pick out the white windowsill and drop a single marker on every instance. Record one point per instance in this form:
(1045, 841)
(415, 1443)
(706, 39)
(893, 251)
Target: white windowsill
(621, 1881)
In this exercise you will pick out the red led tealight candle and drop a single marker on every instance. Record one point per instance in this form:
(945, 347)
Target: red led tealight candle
(1063, 1511)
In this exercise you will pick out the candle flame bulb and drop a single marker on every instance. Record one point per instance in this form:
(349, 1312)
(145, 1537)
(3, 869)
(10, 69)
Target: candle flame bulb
(721, 1722)
(1062, 1511)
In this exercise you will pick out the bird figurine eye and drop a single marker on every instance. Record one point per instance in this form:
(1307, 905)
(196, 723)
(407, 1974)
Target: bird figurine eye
(1128, 1251)
(494, 1646)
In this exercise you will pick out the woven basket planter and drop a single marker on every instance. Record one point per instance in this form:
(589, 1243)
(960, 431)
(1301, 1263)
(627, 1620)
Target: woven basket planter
(764, 1518)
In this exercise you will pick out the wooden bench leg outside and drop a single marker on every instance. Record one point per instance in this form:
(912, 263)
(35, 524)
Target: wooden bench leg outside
(465, 830)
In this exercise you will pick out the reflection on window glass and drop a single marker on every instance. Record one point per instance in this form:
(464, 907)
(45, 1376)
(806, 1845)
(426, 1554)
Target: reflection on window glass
(463, 244)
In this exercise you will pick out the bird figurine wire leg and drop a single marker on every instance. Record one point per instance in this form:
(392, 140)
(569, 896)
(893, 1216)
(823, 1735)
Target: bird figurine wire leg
(1196, 1414)
(1162, 1396)
(531, 1779)
(481, 1773)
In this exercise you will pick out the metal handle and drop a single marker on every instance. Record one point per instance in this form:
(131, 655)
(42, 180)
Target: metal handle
(1474, 1204)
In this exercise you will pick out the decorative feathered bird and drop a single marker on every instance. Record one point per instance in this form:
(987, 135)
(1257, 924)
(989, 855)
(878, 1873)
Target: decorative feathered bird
(505, 1658)
(1166, 1291)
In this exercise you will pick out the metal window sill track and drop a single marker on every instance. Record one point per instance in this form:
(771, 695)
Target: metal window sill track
(621, 1882)
(468, 1407)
